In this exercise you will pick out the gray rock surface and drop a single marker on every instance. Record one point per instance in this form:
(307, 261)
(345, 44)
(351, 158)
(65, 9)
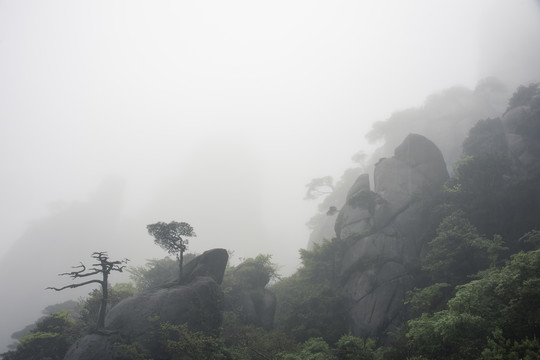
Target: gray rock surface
(356, 216)
(258, 307)
(423, 156)
(248, 297)
(196, 301)
(385, 231)
(211, 263)
(377, 294)
(198, 304)
(523, 148)
(417, 168)
(92, 347)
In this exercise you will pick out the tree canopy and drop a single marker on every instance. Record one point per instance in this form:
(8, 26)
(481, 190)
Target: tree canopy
(173, 237)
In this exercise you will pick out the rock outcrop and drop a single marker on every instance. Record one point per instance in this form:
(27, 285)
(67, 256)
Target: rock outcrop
(248, 297)
(521, 132)
(385, 230)
(196, 300)
(257, 307)
(356, 216)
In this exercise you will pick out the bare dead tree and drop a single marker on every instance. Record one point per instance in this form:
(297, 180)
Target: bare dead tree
(104, 266)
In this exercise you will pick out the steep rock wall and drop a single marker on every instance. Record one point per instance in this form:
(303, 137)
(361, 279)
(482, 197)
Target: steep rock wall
(385, 230)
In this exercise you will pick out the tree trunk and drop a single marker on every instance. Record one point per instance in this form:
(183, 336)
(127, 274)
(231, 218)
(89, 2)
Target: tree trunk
(181, 265)
(104, 300)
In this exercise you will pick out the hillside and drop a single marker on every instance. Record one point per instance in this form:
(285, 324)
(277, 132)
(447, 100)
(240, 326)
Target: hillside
(425, 264)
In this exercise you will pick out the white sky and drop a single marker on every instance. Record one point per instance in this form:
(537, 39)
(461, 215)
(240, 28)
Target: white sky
(219, 112)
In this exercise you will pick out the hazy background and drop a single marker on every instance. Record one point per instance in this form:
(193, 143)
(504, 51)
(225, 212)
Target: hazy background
(118, 114)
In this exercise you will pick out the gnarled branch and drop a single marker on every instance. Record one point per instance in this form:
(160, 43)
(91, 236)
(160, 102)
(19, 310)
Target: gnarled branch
(72, 286)
(104, 267)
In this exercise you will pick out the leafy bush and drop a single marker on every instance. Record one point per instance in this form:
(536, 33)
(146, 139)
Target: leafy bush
(459, 250)
(313, 349)
(309, 304)
(350, 347)
(51, 339)
(178, 342)
(156, 272)
(494, 316)
(89, 306)
(246, 342)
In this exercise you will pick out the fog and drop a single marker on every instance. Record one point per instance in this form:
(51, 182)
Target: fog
(115, 115)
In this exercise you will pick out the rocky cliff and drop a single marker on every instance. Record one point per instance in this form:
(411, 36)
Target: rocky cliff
(196, 300)
(445, 118)
(384, 232)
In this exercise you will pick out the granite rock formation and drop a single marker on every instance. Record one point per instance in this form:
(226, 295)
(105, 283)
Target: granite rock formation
(384, 231)
(196, 300)
(248, 297)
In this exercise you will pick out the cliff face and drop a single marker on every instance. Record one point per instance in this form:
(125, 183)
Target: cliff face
(384, 231)
(445, 118)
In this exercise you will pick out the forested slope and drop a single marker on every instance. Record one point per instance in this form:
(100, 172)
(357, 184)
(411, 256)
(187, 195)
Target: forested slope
(470, 286)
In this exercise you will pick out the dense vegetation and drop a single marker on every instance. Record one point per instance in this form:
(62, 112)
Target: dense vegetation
(478, 294)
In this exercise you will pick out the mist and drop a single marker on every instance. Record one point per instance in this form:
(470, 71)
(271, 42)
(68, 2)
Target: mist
(118, 115)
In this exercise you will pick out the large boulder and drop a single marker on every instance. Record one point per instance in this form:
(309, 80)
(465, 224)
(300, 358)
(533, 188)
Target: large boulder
(196, 300)
(198, 304)
(424, 157)
(416, 169)
(211, 263)
(248, 297)
(386, 230)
